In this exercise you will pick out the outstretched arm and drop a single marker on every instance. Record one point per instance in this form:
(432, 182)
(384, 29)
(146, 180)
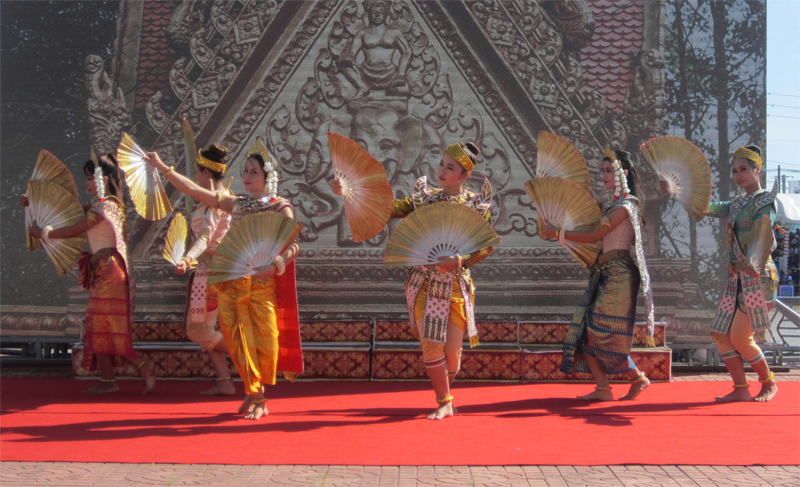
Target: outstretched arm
(71, 231)
(224, 202)
(595, 234)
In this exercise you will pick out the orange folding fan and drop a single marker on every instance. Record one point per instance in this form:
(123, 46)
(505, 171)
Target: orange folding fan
(368, 197)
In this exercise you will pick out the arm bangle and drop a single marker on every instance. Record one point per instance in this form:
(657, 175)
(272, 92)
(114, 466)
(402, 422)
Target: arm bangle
(219, 199)
(562, 232)
(280, 265)
(46, 234)
(171, 168)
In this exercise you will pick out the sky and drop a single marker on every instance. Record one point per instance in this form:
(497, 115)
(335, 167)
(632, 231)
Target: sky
(783, 89)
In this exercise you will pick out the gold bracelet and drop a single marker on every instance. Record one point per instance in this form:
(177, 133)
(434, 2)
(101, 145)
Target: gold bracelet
(280, 265)
(219, 379)
(219, 199)
(460, 261)
(741, 386)
(171, 168)
(768, 379)
(444, 400)
(641, 376)
(598, 388)
(109, 380)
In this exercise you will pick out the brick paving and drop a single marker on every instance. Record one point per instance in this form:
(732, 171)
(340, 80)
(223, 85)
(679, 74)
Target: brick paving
(123, 475)
(120, 474)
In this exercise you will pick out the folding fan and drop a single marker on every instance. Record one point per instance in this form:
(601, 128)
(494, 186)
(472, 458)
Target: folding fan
(190, 153)
(758, 243)
(685, 169)
(51, 204)
(143, 180)
(368, 197)
(556, 157)
(49, 168)
(175, 243)
(252, 242)
(437, 230)
(564, 203)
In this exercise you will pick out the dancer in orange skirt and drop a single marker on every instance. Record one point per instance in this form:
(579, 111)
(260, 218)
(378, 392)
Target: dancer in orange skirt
(106, 273)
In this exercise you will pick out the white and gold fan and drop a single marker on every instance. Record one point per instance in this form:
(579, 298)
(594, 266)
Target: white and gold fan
(564, 203)
(51, 204)
(685, 169)
(758, 246)
(143, 180)
(556, 157)
(190, 153)
(49, 168)
(438, 230)
(175, 243)
(368, 197)
(252, 242)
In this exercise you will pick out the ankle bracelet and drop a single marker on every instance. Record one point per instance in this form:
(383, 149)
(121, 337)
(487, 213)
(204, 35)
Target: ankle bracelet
(641, 376)
(259, 401)
(109, 380)
(444, 400)
(768, 379)
(139, 366)
(741, 386)
(219, 379)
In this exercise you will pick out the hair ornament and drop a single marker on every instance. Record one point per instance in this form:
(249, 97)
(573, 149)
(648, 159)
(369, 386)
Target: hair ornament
(209, 164)
(748, 154)
(98, 181)
(457, 152)
(620, 181)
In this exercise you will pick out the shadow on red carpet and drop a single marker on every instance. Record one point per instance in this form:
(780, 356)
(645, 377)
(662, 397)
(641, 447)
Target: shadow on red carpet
(382, 423)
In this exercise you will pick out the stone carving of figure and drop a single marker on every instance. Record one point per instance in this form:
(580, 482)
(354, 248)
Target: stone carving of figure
(386, 54)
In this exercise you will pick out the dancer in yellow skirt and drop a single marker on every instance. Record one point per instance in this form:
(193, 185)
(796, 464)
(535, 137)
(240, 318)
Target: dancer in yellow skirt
(441, 346)
(106, 273)
(208, 225)
(258, 314)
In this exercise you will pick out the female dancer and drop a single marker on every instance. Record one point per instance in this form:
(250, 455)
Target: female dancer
(600, 335)
(107, 275)
(254, 312)
(209, 225)
(742, 314)
(441, 346)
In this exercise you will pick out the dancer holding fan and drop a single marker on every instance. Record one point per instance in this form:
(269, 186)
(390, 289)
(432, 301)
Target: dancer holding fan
(253, 270)
(600, 335)
(208, 225)
(742, 317)
(105, 272)
(439, 241)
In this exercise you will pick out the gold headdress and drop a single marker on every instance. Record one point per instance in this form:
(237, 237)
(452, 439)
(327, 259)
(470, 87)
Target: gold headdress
(609, 154)
(209, 164)
(460, 156)
(259, 148)
(748, 154)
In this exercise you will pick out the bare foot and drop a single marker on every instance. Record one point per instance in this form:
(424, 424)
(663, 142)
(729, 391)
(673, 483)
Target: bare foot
(257, 410)
(443, 411)
(768, 391)
(149, 375)
(740, 394)
(635, 389)
(102, 388)
(601, 395)
(221, 388)
(246, 404)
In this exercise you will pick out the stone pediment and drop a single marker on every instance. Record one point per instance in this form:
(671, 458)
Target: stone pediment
(405, 83)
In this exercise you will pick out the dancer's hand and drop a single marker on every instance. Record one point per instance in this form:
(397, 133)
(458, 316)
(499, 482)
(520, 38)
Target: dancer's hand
(23, 200)
(36, 232)
(447, 263)
(663, 185)
(549, 230)
(336, 186)
(182, 267)
(265, 272)
(153, 159)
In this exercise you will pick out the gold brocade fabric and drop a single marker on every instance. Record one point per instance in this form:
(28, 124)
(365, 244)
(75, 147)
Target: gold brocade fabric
(248, 322)
(107, 329)
(458, 316)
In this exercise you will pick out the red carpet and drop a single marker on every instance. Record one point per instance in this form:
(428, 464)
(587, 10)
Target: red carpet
(379, 423)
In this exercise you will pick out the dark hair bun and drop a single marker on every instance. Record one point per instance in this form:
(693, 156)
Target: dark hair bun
(110, 159)
(218, 150)
(472, 148)
(755, 149)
